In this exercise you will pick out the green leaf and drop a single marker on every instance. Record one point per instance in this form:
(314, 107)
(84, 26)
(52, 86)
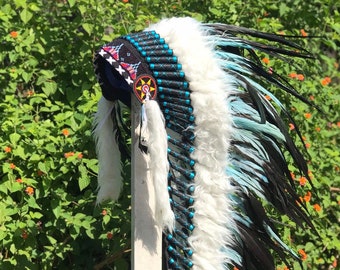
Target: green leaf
(14, 138)
(283, 8)
(71, 2)
(88, 28)
(35, 157)
(84, 179)
(32, 203)
(19, 151)
(49, 88)
(106, 219)
(20, 3)
(25, 15)
(26, 76)
(51, 239)
(36, 215)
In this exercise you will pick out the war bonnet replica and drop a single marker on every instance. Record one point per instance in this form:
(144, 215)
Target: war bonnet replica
(215, 143)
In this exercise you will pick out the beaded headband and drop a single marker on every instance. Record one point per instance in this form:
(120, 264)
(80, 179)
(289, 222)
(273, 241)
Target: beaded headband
(144, 64)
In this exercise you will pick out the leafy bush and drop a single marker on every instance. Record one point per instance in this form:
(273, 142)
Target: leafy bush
(48, 216)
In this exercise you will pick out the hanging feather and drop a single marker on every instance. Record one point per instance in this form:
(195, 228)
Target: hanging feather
(157, 145)
(110, 181)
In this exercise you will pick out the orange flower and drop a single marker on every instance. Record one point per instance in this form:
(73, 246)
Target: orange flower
(80, 155)
(7, 149)
(267, 97)
(291, 126)
(317, 207)
(125, 1)
(12, 166)
(14, 34)
(302, 254)
(338, 124)
(19, 180)
(30, 93)
(311, 97)
(300, 77)
(265, 60)
(29, 190)
(303, 33)
(69, 154)
(292, 75)
(325, 81)
(302, 180)
(317, 129)
(307, 196)
(335, 263)
(104, 212)
(292, 175)
(235, 268)
(24, 234)
(285, 268)
(307, 145)
(308, 115)
(109, 235)
(65, 132)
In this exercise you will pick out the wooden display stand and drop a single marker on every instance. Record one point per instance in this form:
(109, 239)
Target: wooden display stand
(146, 235)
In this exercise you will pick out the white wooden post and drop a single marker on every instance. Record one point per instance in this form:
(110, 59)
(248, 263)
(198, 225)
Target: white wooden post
(146, 235)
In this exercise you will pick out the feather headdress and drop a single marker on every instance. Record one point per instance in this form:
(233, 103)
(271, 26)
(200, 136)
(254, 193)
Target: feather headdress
(216, 144)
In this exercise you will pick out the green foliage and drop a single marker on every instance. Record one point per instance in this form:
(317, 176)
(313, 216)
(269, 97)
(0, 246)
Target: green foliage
(48, 216)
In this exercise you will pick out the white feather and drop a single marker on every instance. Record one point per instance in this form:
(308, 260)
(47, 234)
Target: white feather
(159, 165)
(110, 180)
(213, 222)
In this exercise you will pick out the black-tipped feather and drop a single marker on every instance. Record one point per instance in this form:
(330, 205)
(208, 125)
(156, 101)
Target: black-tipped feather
(258, 167)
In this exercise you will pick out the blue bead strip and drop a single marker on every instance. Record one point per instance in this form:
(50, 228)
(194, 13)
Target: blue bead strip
(165, 66)
(189, 200)
(185, 211)
(180, 101)
(161, 59)
(184, 146)
(190, 174)
(187, 160)
(173, 84)
(169, 75)
(179, 108)
(188, 186)
(180, 116)
(181, 234)
(155, 47)
(176, 254)
(174, 92)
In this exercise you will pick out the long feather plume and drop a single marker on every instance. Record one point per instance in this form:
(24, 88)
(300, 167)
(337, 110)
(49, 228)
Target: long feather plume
(110, 180)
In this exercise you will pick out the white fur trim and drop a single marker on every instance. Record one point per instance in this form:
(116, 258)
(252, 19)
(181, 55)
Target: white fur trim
(213, 221)
(159, 165)
(110, 180)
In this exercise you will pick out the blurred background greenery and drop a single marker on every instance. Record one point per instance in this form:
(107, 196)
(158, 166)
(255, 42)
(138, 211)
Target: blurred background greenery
(48, 216)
